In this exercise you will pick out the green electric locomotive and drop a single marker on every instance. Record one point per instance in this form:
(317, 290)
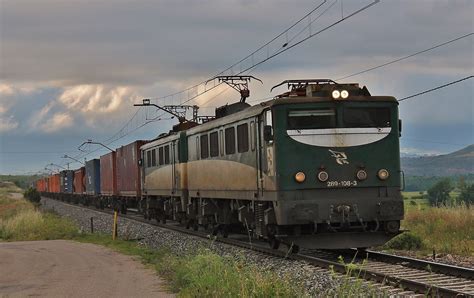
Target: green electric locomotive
(317, 167)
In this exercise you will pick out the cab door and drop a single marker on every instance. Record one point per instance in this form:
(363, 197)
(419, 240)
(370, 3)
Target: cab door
(265, 150)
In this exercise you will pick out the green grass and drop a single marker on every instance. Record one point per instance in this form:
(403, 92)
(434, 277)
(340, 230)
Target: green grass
(351, 284)
(204, 273)
(35, 225)
(20, 219)
(416, 200)
(444, 229)
(447, 229)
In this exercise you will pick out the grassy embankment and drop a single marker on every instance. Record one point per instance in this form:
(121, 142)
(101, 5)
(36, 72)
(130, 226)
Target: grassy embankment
(20, 219)
(448, 230)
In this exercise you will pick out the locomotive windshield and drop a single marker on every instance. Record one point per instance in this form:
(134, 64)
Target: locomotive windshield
(366, 117)
(352, 117)
(312, 119)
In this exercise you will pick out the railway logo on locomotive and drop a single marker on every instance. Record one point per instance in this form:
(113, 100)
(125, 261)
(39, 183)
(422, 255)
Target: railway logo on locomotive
(341, 157)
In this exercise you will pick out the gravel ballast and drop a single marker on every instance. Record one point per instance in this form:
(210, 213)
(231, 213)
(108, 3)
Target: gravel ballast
(316, 280)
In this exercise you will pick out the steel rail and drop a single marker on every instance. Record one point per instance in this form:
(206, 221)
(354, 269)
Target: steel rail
(442, 268)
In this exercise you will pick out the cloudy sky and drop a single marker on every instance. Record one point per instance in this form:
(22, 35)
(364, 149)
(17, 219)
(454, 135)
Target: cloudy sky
(71, 70)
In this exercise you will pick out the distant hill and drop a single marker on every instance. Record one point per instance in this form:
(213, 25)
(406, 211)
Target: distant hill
(457, 163)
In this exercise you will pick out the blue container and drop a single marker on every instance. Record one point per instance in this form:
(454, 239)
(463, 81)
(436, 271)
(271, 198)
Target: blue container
(93, 177)
(67, 181)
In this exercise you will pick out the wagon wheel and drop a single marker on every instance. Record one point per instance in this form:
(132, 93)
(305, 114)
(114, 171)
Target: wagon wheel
(225, 231)
(215, 230)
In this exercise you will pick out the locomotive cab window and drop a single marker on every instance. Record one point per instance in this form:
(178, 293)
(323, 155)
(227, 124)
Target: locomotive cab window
(366, 117)
(312, 119)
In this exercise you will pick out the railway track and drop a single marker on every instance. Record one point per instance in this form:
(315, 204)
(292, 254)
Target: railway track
(410, 276)
(420, 276)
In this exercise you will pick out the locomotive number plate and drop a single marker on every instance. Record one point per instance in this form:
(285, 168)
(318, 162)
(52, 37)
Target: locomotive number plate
(344, 183)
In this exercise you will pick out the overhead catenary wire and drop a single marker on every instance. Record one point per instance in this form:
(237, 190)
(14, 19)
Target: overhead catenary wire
(121, 134)
(436, 88)
(245, 58)
(287, 47)
(405, 57)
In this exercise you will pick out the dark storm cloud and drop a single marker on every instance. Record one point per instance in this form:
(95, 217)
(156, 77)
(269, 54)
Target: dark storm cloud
(139, 42)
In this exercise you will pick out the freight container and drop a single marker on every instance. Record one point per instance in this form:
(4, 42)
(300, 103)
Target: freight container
(39, 185)
(93, 177)
(108, 174)
(67, 181)
(79, 181)
(128, 170)
(43, 184)
(54, 183)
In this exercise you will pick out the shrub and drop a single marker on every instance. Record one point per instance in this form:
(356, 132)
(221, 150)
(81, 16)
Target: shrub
(467, 195)
(32, 195)
(405, 241)
(438, 194)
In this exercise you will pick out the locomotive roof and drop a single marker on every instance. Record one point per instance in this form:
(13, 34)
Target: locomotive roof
(259, 108)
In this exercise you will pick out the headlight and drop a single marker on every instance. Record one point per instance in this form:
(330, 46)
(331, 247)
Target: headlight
(383, 174)
(323, 176)
(300, 177)
(361, 175)
(344, 94)
(336, 94)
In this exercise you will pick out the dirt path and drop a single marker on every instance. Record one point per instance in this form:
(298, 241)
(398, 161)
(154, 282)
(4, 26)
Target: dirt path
(67, 268)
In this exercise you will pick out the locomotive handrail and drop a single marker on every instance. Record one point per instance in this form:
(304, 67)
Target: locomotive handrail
(304, 81)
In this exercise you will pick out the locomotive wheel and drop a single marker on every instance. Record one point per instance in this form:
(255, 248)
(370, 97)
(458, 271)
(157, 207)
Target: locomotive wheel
(274, 243)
